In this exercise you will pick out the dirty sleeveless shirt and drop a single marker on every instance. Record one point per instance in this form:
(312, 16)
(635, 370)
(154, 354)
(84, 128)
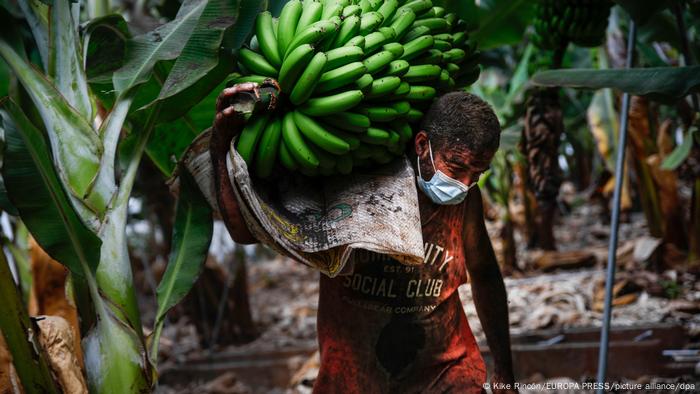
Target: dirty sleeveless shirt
(392, 328)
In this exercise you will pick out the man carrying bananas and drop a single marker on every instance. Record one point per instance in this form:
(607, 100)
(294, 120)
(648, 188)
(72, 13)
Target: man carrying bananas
(392, 328)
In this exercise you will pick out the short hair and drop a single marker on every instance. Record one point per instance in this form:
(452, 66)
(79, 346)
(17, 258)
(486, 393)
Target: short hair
(464, 120)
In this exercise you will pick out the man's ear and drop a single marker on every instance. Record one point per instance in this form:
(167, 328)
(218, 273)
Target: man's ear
(421, 144)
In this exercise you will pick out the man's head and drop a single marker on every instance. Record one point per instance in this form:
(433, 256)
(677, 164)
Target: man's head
(463, 132)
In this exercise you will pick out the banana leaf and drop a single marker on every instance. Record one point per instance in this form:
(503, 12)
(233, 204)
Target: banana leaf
(36, 14)
(678, 156)
(163, 43)
(36, 191)
(659, 83)
(65, 58)
(192, 234)
(104, 46)
(74, 143)
(31, 366)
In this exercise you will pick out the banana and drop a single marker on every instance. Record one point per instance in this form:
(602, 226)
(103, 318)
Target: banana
(364, 82)
(383, 86)
(266, 37)
(375, 136)
(439, 11)
(369, 21)
(433, 56)
(426, 72)
(402, 22)
(349, 121)
(414, 116)
(247, 78)
(444, 78)
(388, 9)
(451, 19)
(416, 47)
(374, 41)
(418, 6)
(322, 106)
(375, 4)
(311, 13)
(320, 136)
(365, 6)
(327, 42)
(436, 25)
(348, 29)
(293, 66)
(378, 61)
(343, 164)
(326, 161)
(395, 48)
(351, 10)
(444, 37)
(394, 141)
(401, 107)
(358, 41)
(289, 18)
(397, 68)
(267, 150)
(250, 135)
(340, 76)
(308, 79)
(442, 45)
(343, 3)
(275, 27)
(402, 90)
(452, 68)
(331, 10)
(312, 34)
(427, 14)
(420, 93)
(341, 56)
(352, 139)
(378, 114)
(296, 144)
(414, 33)
(256, 63)
(286, 158)
(454, 55)
(404, 130)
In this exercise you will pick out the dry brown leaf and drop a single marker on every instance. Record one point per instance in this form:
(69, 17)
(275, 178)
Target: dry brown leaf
(56, 337)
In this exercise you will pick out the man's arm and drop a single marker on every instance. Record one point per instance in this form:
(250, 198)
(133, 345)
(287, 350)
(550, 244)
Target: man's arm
(227, 124)
(488, 289)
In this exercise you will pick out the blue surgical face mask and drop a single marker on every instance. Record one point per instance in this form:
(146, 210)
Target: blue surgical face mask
(441, 189)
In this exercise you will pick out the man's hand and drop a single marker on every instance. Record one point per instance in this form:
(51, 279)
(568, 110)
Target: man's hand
(227, 119)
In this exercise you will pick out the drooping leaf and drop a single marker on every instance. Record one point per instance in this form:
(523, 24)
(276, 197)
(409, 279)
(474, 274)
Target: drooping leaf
(504, 23)
(665, 83)
(678, 156)
(32, 367)
(642, 10)
(75, 146)
(239, 32)
(163, 43)
(104, 46)
(201, 53)
(65, 58)
(36, 191)
(191, 237)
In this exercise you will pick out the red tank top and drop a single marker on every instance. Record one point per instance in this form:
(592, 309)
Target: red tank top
(393, 328)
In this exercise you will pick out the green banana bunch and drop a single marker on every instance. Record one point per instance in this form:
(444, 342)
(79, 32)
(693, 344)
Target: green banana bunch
(582, 22)
(354, 75)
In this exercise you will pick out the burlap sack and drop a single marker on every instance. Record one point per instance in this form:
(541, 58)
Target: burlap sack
(320, 221)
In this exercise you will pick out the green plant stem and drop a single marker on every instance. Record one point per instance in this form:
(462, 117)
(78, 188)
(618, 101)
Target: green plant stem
(15, 326)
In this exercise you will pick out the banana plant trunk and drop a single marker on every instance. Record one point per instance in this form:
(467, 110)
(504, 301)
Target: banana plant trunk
(544, 126)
